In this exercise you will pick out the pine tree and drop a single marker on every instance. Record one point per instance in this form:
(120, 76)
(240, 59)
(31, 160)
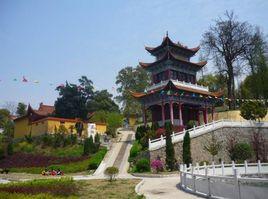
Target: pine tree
(186, 153)
(170, 159)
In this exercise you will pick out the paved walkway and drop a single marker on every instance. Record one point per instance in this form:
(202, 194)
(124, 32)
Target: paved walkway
(164, 188)
(116, 156)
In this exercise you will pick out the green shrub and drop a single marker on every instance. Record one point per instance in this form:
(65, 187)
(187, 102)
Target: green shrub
(28, 138)
(135, 150)
(73, 139)
(89, 146)
(143, 165)
(25, 147)
(96, 159)
(253, 110)
(242, 151)
(47, 140)
(191, 124)
(170, 154)
(10, 148)
(186, 149)
(111, 172)
(58, 140)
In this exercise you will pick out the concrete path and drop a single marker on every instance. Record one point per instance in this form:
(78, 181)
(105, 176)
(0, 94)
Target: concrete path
(163, 188)
(116, 156)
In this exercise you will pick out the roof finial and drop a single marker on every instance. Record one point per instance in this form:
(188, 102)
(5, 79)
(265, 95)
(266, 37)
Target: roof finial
(167, 34)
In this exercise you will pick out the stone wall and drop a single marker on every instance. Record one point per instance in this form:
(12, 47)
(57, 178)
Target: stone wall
(197, 144)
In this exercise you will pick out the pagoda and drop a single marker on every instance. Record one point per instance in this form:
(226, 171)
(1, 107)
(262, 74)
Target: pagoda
(174, 94)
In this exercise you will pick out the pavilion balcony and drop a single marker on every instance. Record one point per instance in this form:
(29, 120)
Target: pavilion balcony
(177, 83)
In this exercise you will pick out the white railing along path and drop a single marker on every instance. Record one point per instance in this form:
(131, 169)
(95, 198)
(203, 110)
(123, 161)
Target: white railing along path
(200, 130)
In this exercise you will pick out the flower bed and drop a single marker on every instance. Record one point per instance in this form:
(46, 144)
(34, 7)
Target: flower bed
(19, 160)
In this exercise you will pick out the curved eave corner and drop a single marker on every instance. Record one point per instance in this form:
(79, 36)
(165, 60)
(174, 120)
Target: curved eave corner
(136, 94)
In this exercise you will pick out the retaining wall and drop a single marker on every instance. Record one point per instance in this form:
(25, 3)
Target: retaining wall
(197, 144)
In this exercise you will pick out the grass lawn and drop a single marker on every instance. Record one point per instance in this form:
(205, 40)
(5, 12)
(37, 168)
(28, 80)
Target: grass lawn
(102, 189)
(67, 188)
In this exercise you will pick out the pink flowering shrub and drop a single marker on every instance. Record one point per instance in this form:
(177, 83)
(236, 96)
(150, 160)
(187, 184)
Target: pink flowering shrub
(157, 165)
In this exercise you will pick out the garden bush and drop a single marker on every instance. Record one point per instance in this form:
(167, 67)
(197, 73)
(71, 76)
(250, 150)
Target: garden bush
(242, 152)
(89, 146)
(191, 124)
(135, 149)
(157, 165)
(25, 147)
(58, 140)
(111, 172)
(47, 140)
(143, 165)
(96, 159)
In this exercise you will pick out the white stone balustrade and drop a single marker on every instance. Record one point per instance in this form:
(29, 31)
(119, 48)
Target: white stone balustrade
(206, 128)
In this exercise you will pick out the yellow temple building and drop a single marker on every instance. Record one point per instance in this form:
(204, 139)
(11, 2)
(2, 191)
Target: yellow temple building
(41, 121)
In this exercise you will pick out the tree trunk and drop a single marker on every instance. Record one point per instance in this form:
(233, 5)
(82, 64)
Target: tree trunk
(230, 85)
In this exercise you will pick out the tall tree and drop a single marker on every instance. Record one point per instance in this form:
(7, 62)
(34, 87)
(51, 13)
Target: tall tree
(21, 109)
(73, 98)
(227, 43)
(131, 79)
(214, 82)
(170, 159)
(4, 117)
(213, 146)
(186, 149)
(102, 101)
(255, 85)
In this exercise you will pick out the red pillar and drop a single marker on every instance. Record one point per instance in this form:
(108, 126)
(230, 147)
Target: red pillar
(163, 113)
(180, 114)
(205, 116)
(171, 112)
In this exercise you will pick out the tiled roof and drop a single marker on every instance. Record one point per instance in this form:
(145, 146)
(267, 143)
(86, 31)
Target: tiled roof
(168, 42)
(170, 56)
(202, 92)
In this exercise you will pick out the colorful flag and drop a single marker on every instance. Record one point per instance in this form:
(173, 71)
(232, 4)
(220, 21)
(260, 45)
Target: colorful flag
(24, 79)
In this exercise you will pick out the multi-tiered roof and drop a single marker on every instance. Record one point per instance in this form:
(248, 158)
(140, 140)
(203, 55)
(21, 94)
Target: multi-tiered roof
(175, 58)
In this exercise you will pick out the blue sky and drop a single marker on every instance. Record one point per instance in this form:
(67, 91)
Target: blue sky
(54, 41)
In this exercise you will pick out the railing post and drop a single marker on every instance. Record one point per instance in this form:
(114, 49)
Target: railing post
(190, 166)
(197, 166)
(246, 167)
(259, 167)
(149, 143)
(208, 182)
(213, 168)
(194, 129)
(181, 171)
(233, 166)
(162, 140)
(193, 179)
(222, 168)
(237, 186)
